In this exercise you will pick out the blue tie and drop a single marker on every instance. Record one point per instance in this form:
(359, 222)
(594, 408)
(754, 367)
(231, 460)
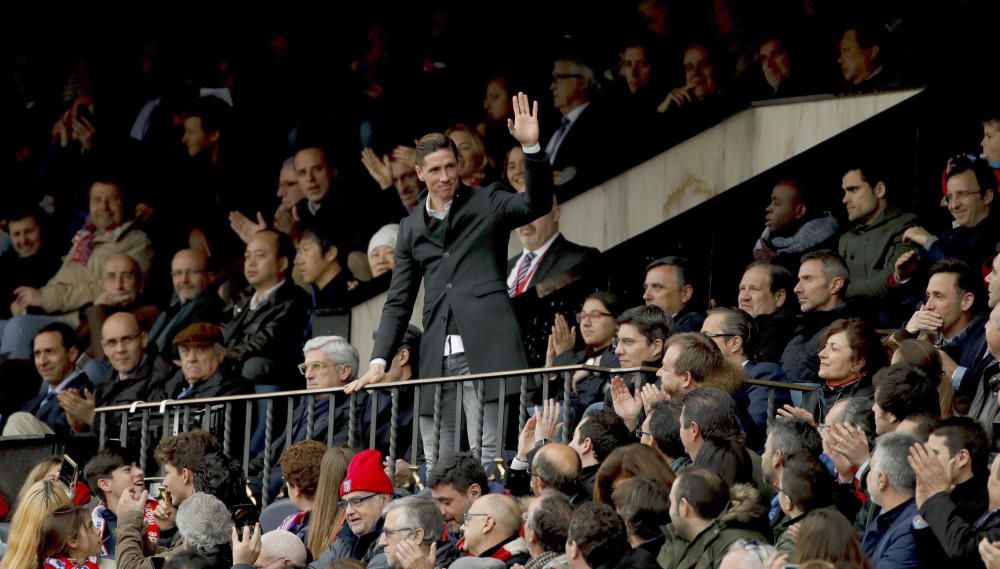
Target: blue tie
(522, 274)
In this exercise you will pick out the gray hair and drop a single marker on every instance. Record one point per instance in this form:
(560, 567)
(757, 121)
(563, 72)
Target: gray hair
(418, 512)
(336, 349)
(281, 544)
(892, 451)
(756, 556)
(204, 523)
(290, 161)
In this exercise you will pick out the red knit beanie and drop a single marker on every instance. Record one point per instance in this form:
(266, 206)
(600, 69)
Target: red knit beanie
(365, 474)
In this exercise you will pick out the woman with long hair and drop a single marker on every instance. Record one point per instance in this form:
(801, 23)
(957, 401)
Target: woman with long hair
(827, 535)
(327, 516)
(628, 462)
(36, 505)
(69, 540)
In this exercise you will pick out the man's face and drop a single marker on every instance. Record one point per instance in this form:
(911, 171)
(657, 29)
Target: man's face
(364, 517)
(577, 443)
(311, 260)
(944, 298)
(681, 527)
(391, 536)
(634, 348)
(755, 295)
(856, 62)
(119, 277)
(187, 271)
(860, 199)
(784, 209)
(261, 265)
(993, 484)
(321, 372)
(288, 187)
(813, 288)
(993, 282)
(688, 436)
(536, 233)
(439, 173)
(126, 478)
(452, 504)
(661, 289)
(774, 62)
(699, 72)
(25, 236)
(106, 206)
(967, 204)
(635, 68)
(173, 481)
(382, 260)
(199, 362)
(313, 173)
(670, 381)
(884, 422)
(52, 360)
(195, 138)
(646, 438)
(712, 327)
(937, 447)
(407, 183)
(124, 343)
(771, 475)
(993, 332)
(569, 88)
(473, 531)
(497, 102)
(991, 140)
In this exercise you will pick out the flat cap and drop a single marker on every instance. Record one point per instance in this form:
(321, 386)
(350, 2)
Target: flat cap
(199, 333)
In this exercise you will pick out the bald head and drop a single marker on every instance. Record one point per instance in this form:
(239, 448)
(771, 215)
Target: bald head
(187, 270)
(556, 466)
(121, 277)
(504, 510)
(123, 341)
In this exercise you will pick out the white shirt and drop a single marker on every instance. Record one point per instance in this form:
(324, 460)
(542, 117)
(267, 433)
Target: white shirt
(259, 298)
(438, 214)
(552, 148)
(539, 253)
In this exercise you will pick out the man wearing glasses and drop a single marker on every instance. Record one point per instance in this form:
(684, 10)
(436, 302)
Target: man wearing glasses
(195, 300)
(135, 373)
(202, 373)
(491, 527)
(364, 492)
(570, 148)
(412, 534)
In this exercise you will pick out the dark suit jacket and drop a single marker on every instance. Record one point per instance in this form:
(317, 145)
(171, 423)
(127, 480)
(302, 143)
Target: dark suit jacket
(562, 256)
(222, 383)
(464, 278)
(273, 331)
(52, 414)
(207, 307)
(582, 150)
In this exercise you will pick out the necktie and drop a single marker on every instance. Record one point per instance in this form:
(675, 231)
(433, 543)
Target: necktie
(184, 393)
(522, 274)
(557, 139)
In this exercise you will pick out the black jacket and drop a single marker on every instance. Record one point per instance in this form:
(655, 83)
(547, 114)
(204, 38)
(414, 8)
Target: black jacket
(689, 320)
(820, 402)
(958, 537)
(559, 261)
(643, 556)
(774, 331)
(460, 261)
(800, 359)
(272, 332)
(223, 382)
(51, 413)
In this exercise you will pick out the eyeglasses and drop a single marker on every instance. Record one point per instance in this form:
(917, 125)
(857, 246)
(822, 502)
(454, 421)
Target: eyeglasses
(639, 433)
(315, 367)
(389, 532)
(592, 315)
(718, 335)
(960, 196)
(113, 343)
(627, 342)
(467, 515)
(187, 272)
(354, 502)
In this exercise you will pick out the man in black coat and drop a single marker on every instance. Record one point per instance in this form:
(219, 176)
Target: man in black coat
(55, 356)
(204, 372)
(456, 243)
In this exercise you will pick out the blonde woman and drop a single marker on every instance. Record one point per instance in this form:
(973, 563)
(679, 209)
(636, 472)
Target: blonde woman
(35, 506)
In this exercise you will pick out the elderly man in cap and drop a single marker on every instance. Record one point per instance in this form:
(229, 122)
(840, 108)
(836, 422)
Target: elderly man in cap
(202, 371)
(363, 494)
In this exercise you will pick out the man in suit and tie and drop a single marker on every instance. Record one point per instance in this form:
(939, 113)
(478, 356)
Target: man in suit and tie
(456, 243)
(55, 353)
(546, 255)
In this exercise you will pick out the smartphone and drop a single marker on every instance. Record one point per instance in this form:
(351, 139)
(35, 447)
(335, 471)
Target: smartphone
(69, 474)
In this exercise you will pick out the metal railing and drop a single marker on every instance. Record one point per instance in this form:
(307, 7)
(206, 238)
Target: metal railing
(222, 415)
